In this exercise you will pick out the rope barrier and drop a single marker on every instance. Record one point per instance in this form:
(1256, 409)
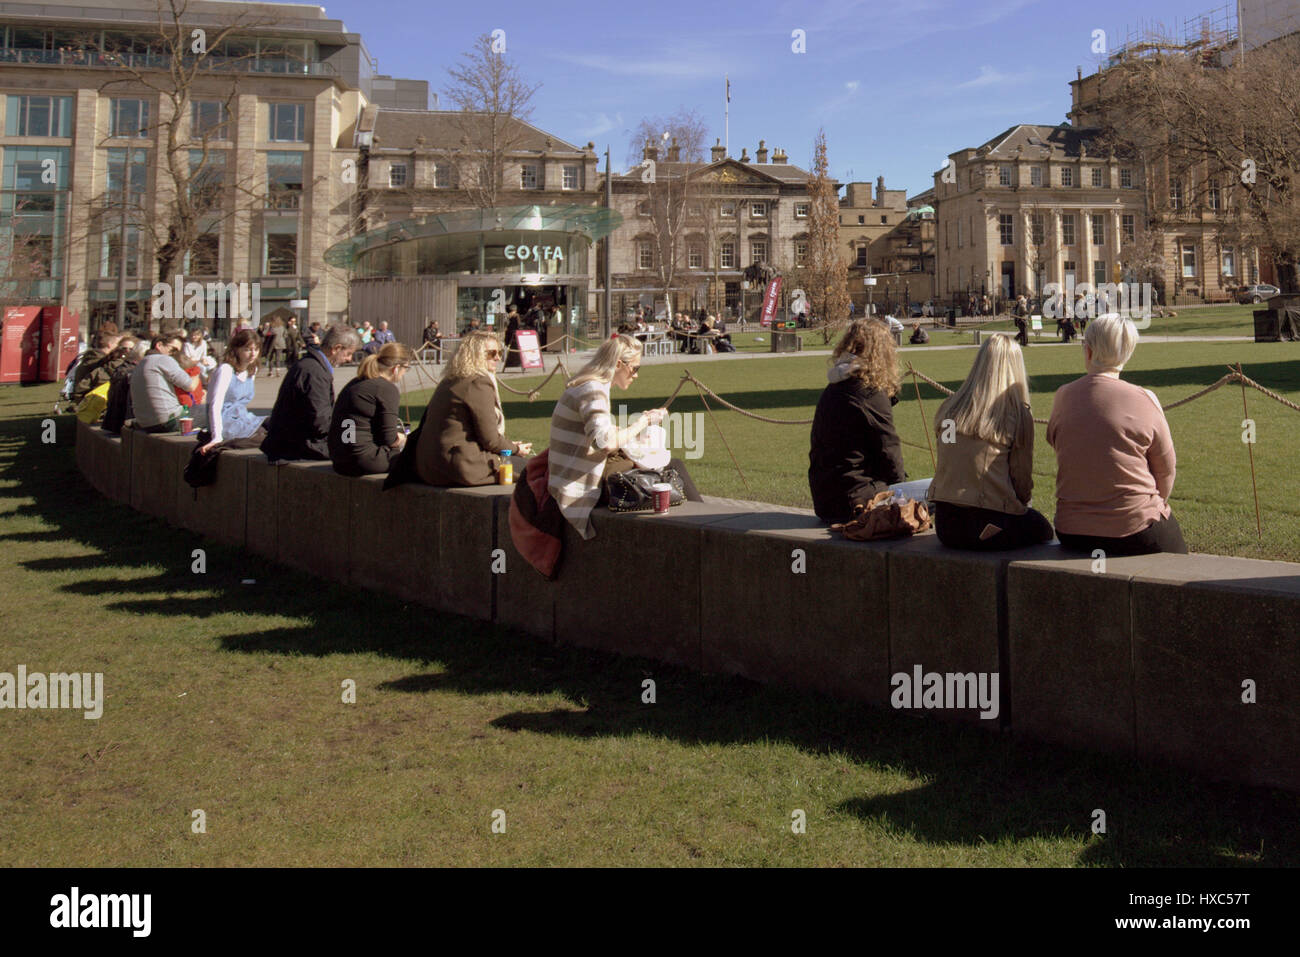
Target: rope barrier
(533, 393)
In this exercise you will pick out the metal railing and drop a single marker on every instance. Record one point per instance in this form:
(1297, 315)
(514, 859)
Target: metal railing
(162, 61)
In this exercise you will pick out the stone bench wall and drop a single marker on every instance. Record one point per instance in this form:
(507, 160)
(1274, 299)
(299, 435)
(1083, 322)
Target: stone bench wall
(1145, 657)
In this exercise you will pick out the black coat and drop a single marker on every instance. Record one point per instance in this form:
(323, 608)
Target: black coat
(373, 406)
(300, 420)
(855, 451)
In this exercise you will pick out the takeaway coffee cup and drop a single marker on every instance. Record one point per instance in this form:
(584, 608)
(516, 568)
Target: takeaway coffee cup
(187, 424)
(662, 492)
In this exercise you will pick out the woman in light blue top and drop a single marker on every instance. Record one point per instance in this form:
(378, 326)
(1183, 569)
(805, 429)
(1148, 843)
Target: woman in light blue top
(229, 392)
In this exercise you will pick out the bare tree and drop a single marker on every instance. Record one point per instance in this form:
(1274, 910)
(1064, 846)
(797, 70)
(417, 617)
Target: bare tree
(493, 100)
(685, 129)
(827, 275)
(1226, 136)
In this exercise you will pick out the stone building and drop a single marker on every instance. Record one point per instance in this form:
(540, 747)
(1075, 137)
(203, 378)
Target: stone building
(1033, 206)
(274, 110)
(891, 238)
(738, 212)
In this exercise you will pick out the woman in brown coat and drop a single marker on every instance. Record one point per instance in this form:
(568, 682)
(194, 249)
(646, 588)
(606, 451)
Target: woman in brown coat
(463, 430)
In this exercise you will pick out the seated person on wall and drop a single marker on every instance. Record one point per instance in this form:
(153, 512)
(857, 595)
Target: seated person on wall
(91, 371)
(586, 444)
(230, 390)
(195, 353)
(300, 420)
(1115, 458)
(154, 382)
(123, 361)
(855, 451)
(984, 472)
(919, 336)
(366, 430)
(462, 434)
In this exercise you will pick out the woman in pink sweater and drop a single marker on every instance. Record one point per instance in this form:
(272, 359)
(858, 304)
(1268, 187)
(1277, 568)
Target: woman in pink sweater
(1114, 454)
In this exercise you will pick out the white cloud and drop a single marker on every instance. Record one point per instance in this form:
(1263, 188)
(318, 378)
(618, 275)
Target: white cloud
(669, 66)
(991, 76)
(598, 124)
(851, 86)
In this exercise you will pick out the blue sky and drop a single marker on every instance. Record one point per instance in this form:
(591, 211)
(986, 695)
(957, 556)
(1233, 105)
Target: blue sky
(897, 86)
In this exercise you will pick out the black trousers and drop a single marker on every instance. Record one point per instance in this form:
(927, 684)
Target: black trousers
(960, 526)
(1162, 535)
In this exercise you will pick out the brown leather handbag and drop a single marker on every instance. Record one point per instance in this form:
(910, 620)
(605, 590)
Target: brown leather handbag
(884, 518)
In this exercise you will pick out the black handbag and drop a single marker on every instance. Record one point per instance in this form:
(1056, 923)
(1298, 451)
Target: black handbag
(631, 491)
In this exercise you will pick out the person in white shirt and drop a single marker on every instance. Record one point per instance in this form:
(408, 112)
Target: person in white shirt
(229, 393)
(196, 354)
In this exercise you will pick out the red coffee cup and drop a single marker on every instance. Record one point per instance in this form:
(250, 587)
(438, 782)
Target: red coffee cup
(663, 492)
(187, 424)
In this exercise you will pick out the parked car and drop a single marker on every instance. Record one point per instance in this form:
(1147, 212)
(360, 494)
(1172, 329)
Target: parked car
(1257, 293)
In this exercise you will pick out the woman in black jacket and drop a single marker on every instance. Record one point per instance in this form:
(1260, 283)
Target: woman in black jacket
(855, 451)
(365, 431)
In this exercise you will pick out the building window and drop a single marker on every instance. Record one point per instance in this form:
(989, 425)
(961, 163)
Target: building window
(281, 246)
(758, 210)
(1067, 176)
(1096, 176)
(1128, 225)
(1099, 230)
(801, 252)
(1035, 176)
(694, 256)
(1229, 261)
(1006, 228)
(959, 235)
(38, 116)
(128, 118)
(396, 175)
(861, 262)
(1067, 229)
(643, 208)
(1126, 179)
(884, 220)
(117, 161)
(209, 120)
(1038, 232)
(1175, 194)
(645, 255)
(530, 176)
(862, 220)
(1189, 261)
(727, 256)
(758, 252)
(207, 178)
(288, 122)
(111, 255)
(1098, 272)
(204, 256)
(570, 178)
(1212, 194)
(800, 210)
(727, 210)
(1068, 268)
(1004, 175)
(283, 180)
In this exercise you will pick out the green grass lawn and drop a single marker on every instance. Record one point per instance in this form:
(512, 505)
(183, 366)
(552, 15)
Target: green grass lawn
(1222, 320)
(226, 697)
(1212, 495)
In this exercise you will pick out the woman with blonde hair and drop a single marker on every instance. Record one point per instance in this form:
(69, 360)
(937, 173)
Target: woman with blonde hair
(365, 429)
(1115, 461)
(586, 444)
(855, 451)
(983, 478)
(462, 435)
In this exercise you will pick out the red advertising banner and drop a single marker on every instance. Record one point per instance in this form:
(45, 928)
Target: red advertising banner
(530, 352)
(770, 300)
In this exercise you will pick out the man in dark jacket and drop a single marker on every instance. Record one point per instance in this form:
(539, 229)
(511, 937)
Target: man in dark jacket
(299, 423)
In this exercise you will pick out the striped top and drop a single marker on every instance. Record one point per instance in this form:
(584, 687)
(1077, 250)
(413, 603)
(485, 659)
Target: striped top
(583, 436)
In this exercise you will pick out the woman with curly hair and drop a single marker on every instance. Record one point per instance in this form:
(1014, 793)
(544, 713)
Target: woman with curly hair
(855, 451)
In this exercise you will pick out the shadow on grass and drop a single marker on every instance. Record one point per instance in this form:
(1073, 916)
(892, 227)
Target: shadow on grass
(974, 786)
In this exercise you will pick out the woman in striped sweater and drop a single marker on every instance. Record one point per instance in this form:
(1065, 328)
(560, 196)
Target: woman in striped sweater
(585, 441)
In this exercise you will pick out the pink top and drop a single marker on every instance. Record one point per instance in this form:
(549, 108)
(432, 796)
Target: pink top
(1114, 457)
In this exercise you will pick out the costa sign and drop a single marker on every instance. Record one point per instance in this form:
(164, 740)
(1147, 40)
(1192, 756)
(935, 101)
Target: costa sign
(539, 253)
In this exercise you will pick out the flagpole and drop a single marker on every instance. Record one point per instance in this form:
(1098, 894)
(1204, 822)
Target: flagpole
(726, 121)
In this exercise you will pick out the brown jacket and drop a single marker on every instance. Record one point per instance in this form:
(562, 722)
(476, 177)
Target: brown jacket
(460, 434)
(1000, 478)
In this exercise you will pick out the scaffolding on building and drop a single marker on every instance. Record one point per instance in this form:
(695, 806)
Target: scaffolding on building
(1207, 36)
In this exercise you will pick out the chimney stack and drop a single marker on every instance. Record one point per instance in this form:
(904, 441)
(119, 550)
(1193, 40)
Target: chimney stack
(674, 152)
(761, 152)
(780, 156)
(744, 154)
(651, 151)
(717, 151)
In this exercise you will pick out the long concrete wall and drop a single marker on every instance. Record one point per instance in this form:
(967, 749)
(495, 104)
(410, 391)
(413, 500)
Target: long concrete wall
(1192, 659)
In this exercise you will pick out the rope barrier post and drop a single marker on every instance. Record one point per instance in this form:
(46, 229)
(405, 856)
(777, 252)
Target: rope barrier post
(924, 421)
(1250, 449)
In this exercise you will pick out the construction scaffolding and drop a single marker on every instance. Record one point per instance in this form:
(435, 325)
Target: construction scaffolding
(1207, 36)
